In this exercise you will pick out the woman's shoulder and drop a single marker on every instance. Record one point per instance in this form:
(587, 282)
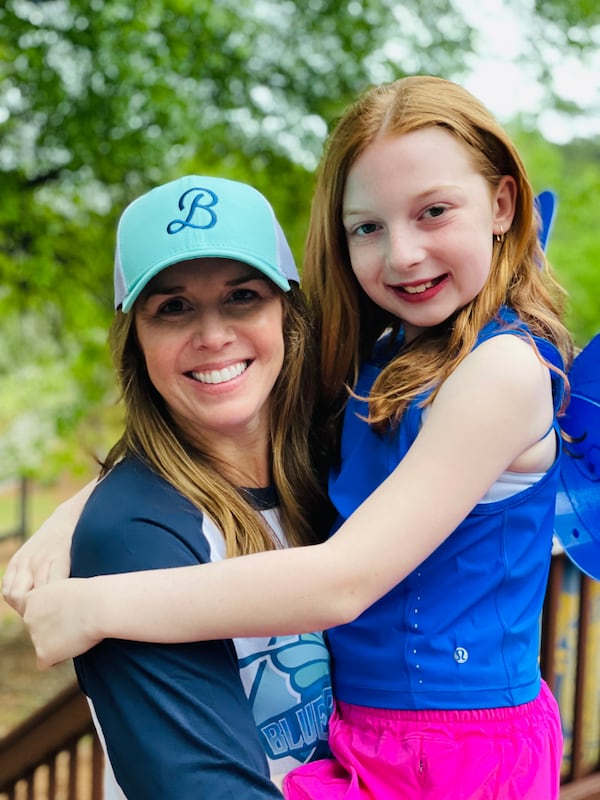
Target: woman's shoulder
(132, 489)
(130, 477)
(134, 520)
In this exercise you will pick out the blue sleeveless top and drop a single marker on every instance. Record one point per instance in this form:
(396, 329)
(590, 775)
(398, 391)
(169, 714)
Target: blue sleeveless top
(462, 630)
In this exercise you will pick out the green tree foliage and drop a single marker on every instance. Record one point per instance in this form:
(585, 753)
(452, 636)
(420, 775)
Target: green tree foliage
(576, 242)
(100, 99)
(578, 20)
(573, 173)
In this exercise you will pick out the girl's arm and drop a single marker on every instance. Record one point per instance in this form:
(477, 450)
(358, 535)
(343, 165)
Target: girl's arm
(495, 407)
(45, 556)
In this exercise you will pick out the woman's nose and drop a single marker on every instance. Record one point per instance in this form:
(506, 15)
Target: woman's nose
(212, 331)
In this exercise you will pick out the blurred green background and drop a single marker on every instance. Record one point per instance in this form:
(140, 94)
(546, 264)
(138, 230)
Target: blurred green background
(99, 100)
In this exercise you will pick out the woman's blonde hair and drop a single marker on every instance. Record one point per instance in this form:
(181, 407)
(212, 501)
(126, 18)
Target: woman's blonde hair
(348, 322)
(152, 435)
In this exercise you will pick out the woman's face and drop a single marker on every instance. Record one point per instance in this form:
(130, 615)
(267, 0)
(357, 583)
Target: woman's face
(211, 331)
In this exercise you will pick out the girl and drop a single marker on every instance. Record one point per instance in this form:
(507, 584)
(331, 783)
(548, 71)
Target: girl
(435, 304)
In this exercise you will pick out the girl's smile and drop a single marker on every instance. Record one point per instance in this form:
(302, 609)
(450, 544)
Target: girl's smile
(419, 291)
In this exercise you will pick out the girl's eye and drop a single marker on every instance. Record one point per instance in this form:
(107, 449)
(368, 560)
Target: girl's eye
(434, 211)
(365, 228)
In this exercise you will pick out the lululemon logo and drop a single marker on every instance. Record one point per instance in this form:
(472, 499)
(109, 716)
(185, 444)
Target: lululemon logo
(461, 655)
(198, 203)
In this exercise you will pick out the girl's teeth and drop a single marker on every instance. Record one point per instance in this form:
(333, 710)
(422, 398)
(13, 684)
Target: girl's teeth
(220, 375)
(418, 289)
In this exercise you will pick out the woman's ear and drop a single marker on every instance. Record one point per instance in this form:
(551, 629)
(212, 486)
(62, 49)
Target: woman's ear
(504, 204)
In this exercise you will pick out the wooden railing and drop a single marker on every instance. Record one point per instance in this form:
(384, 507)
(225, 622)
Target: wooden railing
(55, 754)
(570, 658)
(20, 488)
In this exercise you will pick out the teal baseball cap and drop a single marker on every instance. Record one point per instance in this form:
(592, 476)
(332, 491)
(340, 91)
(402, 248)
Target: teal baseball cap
(197, 216)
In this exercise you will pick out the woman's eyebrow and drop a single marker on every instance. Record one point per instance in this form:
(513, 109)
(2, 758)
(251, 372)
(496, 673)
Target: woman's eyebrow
(255, 275)
(161, 290)
(166, 289)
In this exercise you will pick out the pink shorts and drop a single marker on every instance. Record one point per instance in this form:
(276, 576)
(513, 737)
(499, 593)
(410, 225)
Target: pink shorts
(489, 754)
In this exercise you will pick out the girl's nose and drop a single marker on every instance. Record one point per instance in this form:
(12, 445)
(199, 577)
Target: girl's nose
(404, 249)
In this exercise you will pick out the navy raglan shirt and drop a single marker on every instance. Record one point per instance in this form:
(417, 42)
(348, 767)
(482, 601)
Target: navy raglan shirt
(175, 718)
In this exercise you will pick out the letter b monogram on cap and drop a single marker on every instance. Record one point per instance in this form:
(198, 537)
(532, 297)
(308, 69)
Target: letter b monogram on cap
(200, 214)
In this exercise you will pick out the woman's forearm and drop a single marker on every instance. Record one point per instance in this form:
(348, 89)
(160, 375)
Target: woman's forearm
(45, 556)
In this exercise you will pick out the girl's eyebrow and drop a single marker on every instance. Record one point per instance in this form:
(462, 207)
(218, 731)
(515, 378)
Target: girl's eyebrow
(419, 198)
(435, 189)
(353, 212)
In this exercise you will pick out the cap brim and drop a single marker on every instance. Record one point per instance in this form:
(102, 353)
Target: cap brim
(236, 255)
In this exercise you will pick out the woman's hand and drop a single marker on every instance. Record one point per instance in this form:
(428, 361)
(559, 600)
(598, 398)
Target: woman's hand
(57, 617)
(46, 556)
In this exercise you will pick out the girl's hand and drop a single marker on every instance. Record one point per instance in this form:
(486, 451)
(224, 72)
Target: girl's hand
(56, 617)
(46, 556)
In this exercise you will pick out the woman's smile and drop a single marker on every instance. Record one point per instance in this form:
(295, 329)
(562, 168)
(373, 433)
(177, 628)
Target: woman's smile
(218, 376)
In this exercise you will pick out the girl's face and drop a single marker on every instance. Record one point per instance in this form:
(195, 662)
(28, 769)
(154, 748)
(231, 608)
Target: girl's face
(420, 221)
(211, 331)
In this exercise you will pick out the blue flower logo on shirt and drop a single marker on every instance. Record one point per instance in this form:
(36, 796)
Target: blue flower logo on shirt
(289, 688)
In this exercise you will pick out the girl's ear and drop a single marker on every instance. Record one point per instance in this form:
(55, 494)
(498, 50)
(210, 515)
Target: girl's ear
(504, 204)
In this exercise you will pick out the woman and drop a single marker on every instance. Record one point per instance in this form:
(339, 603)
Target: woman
(213, 351)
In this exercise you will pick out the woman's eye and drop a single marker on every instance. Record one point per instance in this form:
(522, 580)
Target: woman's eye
(175, 305)
(242, 296)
